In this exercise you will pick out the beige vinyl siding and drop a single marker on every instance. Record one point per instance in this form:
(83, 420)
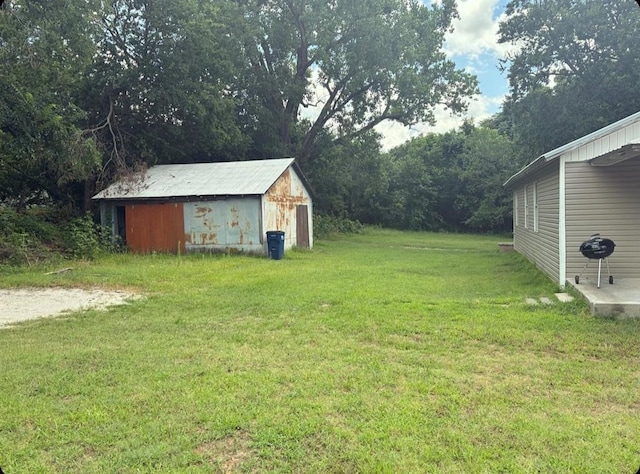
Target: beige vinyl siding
(604, 200)
(541, 246)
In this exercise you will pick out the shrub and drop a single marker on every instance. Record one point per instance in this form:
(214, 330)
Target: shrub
(324, 226)
(25, 238)
(81, 238)
(41, 234)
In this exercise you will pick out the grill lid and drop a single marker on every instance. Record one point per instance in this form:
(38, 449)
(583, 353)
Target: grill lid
(597, 247)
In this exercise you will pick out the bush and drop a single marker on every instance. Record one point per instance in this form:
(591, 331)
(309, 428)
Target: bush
(41, 234)
(25, 238)
(82, 239)
(324, 226)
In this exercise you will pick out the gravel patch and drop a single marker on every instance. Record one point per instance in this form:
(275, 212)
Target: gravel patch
(31, 303)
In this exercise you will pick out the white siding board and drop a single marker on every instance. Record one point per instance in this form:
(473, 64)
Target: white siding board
(582, 153)
(605, 144)
(590, 149)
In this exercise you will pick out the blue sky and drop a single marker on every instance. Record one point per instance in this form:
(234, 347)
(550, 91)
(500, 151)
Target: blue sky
(473, 46)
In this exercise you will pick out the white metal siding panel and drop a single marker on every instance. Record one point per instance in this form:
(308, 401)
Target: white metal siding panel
(223, 224)
(542, 247)
(607, 143)
(604, 200)
(582, 153)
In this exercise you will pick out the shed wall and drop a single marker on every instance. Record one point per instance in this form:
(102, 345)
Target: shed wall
(281, 208)
(540, 243)
(604, 200)
(222, 224)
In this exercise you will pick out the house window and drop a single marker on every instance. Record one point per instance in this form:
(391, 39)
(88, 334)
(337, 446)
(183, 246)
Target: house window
(515, 208)
(535, 207)
(526, 207)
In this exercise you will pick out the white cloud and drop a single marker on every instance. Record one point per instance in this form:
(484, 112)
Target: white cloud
(395, 134)
(476, 31)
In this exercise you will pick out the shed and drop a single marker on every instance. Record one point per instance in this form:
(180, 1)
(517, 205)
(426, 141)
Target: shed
(210, 207)
(588, 186)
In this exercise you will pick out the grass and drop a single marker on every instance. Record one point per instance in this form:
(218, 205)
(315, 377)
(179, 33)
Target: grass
(382, 352)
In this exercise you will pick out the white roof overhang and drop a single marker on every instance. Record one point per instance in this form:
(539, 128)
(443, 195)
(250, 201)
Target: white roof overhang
(626, 152)
(552, 155)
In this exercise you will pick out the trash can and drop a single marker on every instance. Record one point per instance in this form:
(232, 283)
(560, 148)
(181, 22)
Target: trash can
(275, 244)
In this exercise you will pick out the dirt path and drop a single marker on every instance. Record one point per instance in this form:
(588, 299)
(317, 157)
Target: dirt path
(31, 303)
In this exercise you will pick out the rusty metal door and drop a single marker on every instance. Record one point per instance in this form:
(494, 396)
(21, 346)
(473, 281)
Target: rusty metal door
(302, 226)
(155, 227)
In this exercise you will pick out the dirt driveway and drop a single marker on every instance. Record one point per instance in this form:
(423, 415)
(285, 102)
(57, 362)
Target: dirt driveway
(31, 303)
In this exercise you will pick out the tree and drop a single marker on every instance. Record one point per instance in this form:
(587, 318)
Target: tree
(157, 91)
(593, 40)
(486, 162)
(41, 152)
(453, 181)
(44, 47)
(350, 178)
(576, 69)
(357, 63)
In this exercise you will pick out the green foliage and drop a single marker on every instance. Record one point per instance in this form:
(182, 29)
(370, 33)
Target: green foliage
(349, 178)
(26, 238)
(92, 89)
(373, 61)
(452, 182)
(592, 40)
(325, 226)
(576, 69)
(43, 153)
(41, 150)
(84, 239)
(41, 234)
(157, 87)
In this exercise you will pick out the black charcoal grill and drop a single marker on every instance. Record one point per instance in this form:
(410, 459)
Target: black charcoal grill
(597, 248)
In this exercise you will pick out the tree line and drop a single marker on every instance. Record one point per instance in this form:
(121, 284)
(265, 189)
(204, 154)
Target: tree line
(92, 89)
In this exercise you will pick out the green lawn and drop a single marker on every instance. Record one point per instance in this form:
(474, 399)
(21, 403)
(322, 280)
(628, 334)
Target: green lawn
(382, 352)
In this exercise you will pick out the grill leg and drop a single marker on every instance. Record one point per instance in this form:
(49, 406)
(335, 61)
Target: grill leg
(599, 267)
(583, 269)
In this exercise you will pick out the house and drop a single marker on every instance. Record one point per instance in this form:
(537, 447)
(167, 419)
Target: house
(588, 186)
(210, 207)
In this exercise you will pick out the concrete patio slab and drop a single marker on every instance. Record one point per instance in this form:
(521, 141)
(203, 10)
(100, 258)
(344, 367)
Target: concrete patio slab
(621, 300)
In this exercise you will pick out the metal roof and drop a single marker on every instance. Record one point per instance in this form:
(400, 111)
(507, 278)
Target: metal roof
(201, 179)
(556, 153)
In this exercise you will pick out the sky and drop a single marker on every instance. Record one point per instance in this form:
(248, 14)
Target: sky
(473, 46)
